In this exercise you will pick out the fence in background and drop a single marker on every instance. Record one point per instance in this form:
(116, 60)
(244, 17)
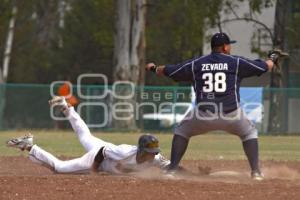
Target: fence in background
(25, 106)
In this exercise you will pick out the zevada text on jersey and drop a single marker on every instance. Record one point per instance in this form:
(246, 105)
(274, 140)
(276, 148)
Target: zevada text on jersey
(214, 67)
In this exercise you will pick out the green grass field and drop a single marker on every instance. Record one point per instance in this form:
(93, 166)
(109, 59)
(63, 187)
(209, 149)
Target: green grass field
(207, 147)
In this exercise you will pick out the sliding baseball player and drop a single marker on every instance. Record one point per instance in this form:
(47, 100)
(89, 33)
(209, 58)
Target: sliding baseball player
(100, 155)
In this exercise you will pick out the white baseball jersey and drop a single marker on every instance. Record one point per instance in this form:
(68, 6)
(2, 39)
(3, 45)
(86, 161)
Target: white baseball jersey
(122, 159)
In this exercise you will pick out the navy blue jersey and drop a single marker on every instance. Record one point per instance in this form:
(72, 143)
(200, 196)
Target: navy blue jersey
(216, 78)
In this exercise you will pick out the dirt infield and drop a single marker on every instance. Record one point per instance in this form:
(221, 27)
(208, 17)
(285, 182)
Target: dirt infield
(21, 179)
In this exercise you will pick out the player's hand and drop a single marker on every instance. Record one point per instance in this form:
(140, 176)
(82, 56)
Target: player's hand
(151, 67)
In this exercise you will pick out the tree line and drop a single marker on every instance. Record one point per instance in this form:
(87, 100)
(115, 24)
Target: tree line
(56, 39)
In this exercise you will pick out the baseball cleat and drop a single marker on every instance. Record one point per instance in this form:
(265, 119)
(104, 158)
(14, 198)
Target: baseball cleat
(21, 142)
(58, 101)
(257, 176)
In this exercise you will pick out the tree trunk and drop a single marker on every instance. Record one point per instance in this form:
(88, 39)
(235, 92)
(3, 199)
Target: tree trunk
(61, 22)
(137, 55)
(8, 46)
(6, 61)
(122, 39)
(129, 55)
(278, 100)
(138, 42)
(47, 22)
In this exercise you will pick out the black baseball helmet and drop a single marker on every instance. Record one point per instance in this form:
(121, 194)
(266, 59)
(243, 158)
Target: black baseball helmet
(148, 143)
(218, 39)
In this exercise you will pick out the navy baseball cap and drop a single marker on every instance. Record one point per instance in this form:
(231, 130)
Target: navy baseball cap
(218, 39)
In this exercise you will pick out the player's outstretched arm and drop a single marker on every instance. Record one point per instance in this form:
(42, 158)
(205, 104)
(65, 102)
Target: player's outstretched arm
(160, 161)
(177, 72)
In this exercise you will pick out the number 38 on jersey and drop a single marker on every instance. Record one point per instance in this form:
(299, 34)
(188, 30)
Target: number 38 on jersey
(214, 82)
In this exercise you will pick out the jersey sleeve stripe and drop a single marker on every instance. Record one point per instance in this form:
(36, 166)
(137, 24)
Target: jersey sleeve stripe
(193, 65)
(179, 69)
(235, 84)
(253, 65)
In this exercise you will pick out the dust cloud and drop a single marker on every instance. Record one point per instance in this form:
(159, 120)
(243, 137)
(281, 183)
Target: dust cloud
(281, 172)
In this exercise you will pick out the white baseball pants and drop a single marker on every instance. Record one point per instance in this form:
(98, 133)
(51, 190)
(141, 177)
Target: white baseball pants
(79, 165)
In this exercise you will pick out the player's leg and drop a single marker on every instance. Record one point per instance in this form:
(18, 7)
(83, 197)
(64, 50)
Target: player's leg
(193, 124)
(88, 140)
(26, 143)
(246, 130)
(42, 157)
(179, 146)
(251, 150)
(85, 137)
(78, 165)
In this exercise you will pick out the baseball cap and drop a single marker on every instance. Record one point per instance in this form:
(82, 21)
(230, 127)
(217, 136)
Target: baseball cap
(148, 143)
(218, 39)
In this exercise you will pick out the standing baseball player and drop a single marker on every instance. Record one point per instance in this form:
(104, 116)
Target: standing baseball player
(216, 80)
(100, 156)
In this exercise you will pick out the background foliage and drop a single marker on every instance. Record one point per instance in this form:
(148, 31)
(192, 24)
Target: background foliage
(44, 51)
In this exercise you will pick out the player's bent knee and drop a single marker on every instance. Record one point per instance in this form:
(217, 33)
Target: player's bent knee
(58, 167)
(184, 135)
(249, 136)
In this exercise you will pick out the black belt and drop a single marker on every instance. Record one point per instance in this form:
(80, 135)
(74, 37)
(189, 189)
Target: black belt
(99, 157)
(98, 160)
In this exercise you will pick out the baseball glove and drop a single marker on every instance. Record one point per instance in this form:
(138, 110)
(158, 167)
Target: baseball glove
(276, 54)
